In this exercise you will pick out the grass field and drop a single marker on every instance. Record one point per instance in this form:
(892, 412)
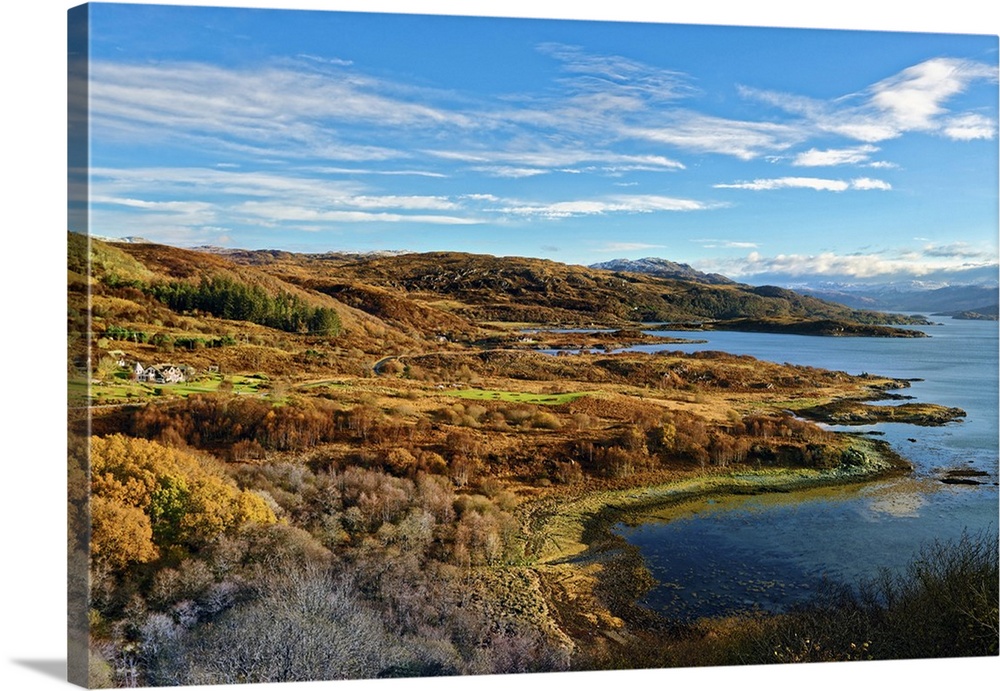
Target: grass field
(123, 390)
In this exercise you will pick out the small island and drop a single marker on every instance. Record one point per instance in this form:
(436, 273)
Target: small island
(861, 413)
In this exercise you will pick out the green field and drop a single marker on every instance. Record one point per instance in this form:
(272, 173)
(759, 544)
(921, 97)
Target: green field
(122, 390)
(518, 396)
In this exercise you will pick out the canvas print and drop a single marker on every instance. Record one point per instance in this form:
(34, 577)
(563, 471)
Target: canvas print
(405, 345)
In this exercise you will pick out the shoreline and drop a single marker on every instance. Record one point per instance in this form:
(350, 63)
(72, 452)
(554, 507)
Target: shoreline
(592, 579)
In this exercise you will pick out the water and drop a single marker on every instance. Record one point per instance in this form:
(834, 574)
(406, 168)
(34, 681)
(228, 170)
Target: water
(725, 555)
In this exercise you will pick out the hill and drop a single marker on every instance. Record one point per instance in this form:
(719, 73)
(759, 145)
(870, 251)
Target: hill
(155, 303)
(485, 289)
(983, 313)
(664, 268)
(292, 314)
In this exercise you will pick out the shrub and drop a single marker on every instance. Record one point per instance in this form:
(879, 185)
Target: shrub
(545, 420)
(945, 604)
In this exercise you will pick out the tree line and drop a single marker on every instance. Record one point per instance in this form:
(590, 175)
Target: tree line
(230, 299)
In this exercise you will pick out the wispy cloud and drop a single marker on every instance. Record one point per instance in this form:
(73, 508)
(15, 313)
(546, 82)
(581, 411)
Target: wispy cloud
(745, 140)
(870, 184)
(591, 207)
(818, 184)
(970, 126)
(958, 250)
(617, 81)
(307, 202)
(332, 170)
(254, 199)
(278, 109)
(900, 262)
(327, 110)
(511, 171)
(709, 243)
(270, 213)
(312, 142)
(834, 157)
(912, 100)
(523, 162)
(340, 62)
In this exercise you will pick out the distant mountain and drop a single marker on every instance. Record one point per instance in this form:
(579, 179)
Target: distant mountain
(129, 239)
(909, 298)
(663, 268)
(270, 256)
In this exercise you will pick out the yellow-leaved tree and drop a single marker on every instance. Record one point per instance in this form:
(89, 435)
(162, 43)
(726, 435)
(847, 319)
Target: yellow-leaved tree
(146, 498)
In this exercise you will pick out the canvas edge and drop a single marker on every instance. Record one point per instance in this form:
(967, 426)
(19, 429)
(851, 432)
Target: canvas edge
(78, 349)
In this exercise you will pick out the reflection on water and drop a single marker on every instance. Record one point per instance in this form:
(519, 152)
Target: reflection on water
(902, 499)
(717, 556)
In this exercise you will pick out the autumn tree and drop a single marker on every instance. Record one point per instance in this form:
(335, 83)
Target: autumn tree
(147, 497)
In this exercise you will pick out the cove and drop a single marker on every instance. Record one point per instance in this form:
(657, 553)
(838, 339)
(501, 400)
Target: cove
(722, 555)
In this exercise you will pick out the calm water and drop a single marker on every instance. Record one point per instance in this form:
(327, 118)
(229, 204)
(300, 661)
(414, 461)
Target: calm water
(724, 555)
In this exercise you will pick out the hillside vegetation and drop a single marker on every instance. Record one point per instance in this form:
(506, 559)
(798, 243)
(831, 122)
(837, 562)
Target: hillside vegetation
(391, 489)
(484, 288)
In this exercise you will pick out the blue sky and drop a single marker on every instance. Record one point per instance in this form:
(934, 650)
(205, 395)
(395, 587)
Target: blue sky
(776, 155)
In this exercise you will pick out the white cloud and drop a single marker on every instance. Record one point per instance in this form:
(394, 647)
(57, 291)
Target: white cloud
(727, 244)
(617, 80)
(788, 182)
(331, 170)
(870, 184)
(970, 126)
(510, 171)
(283, 111)
(270, 213)
(390, 201)
(254, 198)
(258, 101)
(914, 98)
(652, 202)
(616, 204)
(208, 181)
(340, 62)
(165, 206)
(818, 184)
(834, 157)
(521, 162)
(743, 139)
(903, 262)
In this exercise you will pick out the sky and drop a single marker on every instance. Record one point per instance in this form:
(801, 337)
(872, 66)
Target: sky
(766, 154)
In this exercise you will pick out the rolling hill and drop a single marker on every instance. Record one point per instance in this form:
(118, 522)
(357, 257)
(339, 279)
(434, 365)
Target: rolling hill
(484, 288)
(282, 312)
